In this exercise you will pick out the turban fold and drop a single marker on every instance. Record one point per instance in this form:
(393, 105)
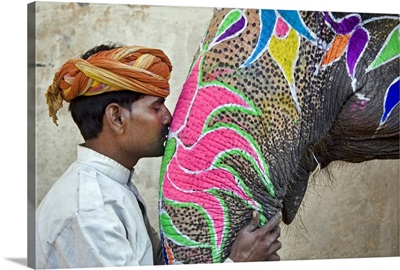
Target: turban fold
(139, 69)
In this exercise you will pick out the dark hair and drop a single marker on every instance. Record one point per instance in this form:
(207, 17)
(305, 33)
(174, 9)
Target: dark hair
(88, 111)
(102, 47)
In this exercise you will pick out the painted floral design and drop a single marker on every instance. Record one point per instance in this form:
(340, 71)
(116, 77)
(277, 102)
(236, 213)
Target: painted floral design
(193, 163)
(391, 100)
(195, 153)
(280, 33)
(351, 39)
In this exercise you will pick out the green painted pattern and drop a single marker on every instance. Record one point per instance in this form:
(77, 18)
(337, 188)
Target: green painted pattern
(389, 51)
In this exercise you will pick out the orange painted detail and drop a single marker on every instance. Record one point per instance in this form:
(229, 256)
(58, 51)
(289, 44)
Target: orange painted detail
(336, 49)
(168, 251)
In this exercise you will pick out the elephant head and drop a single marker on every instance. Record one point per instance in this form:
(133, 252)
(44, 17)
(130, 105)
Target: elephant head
(271, 95)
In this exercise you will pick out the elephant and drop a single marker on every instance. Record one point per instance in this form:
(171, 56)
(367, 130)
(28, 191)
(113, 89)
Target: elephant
(272, 96)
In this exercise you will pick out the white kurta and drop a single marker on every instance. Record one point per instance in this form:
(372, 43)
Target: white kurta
(91, 217)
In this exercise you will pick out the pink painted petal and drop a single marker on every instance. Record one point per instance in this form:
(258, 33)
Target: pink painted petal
(205, 200)
(202, 155)
(186, 97)
(281, 28)
(203, 180)
(192, 188)
(208, 99)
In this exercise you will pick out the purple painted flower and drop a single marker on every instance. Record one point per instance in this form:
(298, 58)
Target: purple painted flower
(357, 42)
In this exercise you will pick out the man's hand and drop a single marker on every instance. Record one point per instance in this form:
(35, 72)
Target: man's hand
(257, 244)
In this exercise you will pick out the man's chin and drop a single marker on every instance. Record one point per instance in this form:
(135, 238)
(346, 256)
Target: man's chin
(160, 152)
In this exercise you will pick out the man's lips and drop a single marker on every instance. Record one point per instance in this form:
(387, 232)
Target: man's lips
(165, 136)
(165, 133)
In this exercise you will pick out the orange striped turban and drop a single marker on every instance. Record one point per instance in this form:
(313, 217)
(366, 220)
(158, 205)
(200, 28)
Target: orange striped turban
(136, 68)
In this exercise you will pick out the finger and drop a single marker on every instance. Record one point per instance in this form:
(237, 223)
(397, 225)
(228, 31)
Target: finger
(254, 222)
(272, 223)
(273, 237)
(274, 257)
(274, 234)
(277, 245)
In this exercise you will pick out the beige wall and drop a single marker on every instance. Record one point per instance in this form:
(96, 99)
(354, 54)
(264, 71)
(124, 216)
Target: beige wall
(356, 214)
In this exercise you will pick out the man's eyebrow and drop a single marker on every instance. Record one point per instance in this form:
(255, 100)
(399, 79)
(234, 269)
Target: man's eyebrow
(159, 100)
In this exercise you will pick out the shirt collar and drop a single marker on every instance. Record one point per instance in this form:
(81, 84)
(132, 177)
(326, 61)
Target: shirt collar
(104, 164)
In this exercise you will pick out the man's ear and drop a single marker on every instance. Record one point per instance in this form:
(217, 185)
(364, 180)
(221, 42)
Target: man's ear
(114, 116)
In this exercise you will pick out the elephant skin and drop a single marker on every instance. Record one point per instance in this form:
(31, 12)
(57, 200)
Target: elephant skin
(271, 96)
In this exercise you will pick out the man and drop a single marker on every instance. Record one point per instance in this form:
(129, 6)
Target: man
(94, 215)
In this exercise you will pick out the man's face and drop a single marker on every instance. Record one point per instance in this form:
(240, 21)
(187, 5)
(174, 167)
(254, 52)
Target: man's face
(148, 127)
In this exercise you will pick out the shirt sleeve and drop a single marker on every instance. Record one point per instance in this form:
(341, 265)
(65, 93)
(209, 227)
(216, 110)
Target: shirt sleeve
(93, 239)
(95, 236)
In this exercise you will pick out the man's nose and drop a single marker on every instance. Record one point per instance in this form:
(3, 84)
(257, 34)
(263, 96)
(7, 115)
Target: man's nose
(167, 118)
